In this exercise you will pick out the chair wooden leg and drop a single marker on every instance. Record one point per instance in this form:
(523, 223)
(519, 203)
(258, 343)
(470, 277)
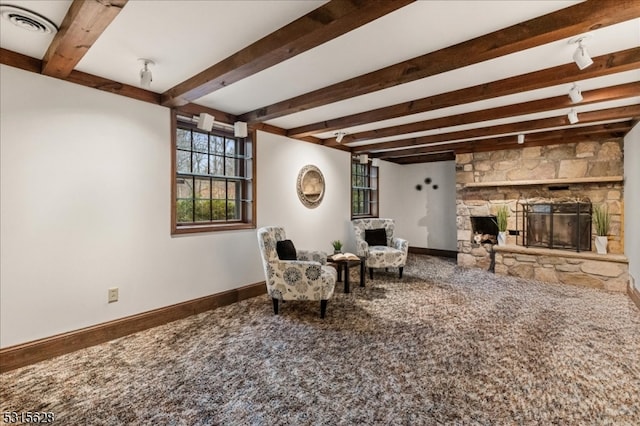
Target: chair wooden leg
(371, 273)
(323, 308)
(401, 268)
(275, 306)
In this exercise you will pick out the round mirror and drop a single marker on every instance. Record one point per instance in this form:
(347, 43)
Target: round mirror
(310, 186)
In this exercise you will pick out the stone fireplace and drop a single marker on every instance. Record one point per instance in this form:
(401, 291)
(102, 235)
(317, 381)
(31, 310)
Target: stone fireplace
(539, 180)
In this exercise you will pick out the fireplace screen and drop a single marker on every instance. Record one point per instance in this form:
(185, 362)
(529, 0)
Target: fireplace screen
(564, 226)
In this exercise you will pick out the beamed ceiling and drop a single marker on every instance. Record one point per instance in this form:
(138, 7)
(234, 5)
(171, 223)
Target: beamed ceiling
(406, 81)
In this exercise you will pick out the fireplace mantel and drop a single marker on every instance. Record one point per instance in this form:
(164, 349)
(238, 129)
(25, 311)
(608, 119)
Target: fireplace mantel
(566, 181)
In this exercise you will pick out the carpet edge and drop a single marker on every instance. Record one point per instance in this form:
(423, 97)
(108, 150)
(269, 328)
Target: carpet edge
(28, 353)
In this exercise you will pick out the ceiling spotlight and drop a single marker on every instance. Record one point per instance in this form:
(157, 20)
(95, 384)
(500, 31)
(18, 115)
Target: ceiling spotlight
(575, 94)
(573, 116)
(580, 56)
(339, 136)
(145, 73)
(520, 138)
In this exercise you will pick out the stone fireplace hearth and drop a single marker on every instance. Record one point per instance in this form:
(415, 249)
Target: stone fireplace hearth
(573, 171)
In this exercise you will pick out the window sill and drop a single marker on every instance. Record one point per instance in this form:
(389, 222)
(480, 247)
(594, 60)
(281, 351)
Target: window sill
(365, 216)
(195, 229)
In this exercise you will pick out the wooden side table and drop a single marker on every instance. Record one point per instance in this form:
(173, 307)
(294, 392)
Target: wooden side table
(345, 265)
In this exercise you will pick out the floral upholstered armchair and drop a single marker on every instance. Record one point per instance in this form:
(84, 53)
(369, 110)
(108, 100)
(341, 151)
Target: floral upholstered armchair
(305, 277)
(377, 244)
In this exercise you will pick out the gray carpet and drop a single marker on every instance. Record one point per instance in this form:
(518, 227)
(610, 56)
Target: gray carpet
(443, 345)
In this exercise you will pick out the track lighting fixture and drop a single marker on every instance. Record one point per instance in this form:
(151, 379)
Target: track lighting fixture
(573, 116)
(205, 122)
(520, 138)
(240, 129)
(339, 136)
(575, 94)
(365, 159)
(145, 73)
(581, 56)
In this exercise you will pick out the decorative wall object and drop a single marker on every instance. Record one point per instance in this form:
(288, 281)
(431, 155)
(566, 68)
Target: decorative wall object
(428, 182)
(310, 186)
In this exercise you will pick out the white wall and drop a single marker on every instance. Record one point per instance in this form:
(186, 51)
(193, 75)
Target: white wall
(85, 205)
(632, 202)
(279, 162)
(391, 196)
(427, 218)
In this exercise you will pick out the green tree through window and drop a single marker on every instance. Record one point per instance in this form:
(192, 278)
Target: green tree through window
(213, 183)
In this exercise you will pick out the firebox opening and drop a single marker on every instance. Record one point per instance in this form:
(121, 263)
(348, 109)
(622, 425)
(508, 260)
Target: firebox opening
(485, 229)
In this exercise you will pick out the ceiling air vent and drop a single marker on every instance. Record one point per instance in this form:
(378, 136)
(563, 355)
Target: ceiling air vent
(28, 20)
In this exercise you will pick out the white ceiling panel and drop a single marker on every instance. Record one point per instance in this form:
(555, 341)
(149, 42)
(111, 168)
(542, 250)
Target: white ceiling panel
(31, 43)
(183, 37)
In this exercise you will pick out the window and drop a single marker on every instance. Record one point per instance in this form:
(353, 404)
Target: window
(364, 190)
(213, 187)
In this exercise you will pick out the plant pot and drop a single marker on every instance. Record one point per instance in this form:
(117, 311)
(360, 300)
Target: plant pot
(601, 244)
(502, 238)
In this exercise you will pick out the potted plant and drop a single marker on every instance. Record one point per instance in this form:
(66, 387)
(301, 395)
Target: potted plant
(601, 221)
(337, 246)
(501, 220)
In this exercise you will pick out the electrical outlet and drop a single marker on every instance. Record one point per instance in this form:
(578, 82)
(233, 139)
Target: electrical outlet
(113, 294)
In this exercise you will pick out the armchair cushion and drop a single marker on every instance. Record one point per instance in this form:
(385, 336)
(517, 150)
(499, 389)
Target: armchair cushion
(376, 237)
(286, 250)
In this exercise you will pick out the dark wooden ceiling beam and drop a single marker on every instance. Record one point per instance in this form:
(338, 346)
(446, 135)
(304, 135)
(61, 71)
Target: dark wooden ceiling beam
(426, 158)
(219, 116)
(588, 134)
(602, 65)
(545, 29)
(282, 132)
(540, 105)
(111, 86)
(595, 135)
(315, 28)
(619, 113)
(27, 63)
(593, 132)
(84, 22)
(18, 60)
